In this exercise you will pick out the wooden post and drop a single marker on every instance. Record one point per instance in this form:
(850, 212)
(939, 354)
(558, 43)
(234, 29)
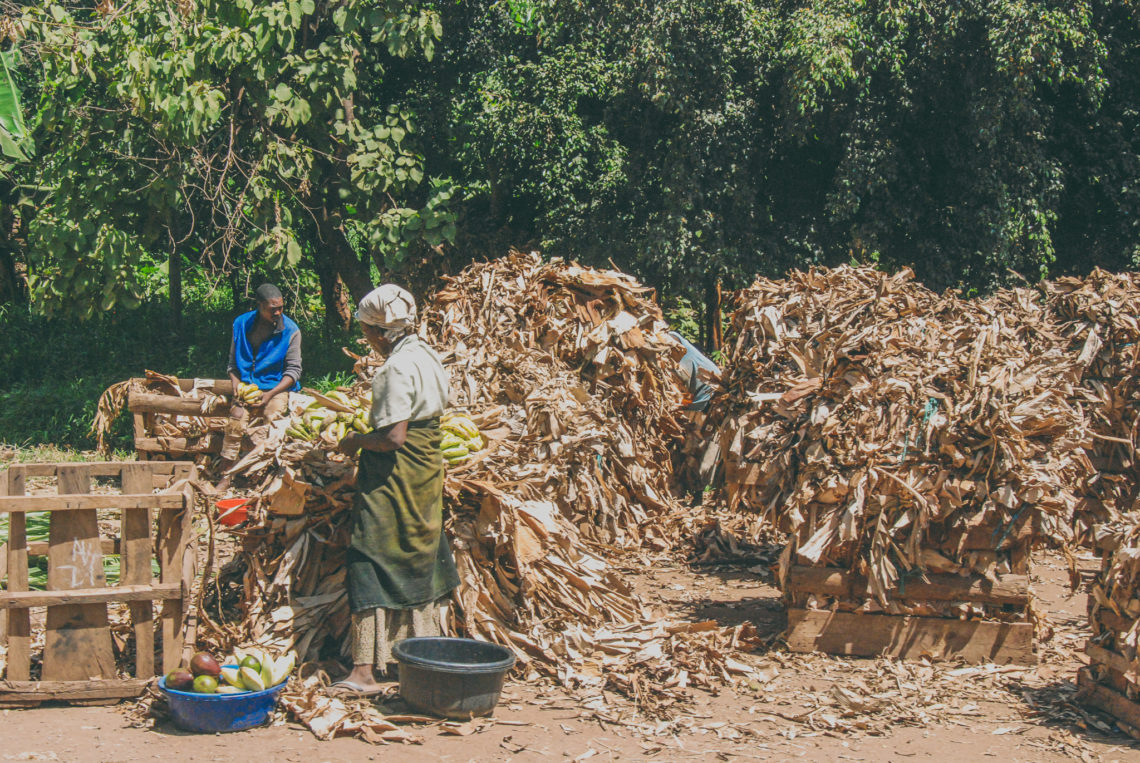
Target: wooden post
(3, 567)
(19, 621)
(172, 534)
(78, 640)
(137, 548)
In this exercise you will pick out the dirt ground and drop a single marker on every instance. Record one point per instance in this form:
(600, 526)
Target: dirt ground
(792, 707)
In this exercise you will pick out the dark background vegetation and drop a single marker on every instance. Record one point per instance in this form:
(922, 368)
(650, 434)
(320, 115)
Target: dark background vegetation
(174, 154)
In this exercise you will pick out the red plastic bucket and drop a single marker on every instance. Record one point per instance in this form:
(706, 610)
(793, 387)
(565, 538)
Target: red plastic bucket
(232, 511)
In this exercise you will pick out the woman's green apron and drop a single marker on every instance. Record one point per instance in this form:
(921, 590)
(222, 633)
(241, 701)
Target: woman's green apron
(399, 557)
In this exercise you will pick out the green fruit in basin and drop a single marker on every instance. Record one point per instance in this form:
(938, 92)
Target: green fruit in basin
(252, 663)
(205, 684)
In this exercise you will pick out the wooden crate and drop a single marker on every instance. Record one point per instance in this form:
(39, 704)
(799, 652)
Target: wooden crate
(911, 637)
(145, 406)
(1106, 684)
(78, 661)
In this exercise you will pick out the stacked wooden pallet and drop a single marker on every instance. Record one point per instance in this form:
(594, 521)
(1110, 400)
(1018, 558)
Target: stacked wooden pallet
(933, 615)
(178, 417)
(79, 661)
(1111, 682)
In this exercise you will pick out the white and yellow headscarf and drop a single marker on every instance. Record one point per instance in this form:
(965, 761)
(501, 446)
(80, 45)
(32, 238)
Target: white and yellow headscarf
(389, 308)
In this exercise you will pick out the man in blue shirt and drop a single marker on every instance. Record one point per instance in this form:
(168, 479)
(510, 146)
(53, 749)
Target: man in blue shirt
(265, 350)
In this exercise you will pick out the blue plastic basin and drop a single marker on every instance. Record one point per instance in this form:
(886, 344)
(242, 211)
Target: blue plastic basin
(216, 713)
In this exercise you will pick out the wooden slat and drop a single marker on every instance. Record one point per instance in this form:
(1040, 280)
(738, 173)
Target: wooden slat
(19, 622)
(210, 443)
(1125, 711)
(1011, 589)
(3, 574)
(32, 691)
(910, 637)
(143, 402)
(126, 593)
(217, 386)
(138, 547)
(101, 468)
(92, 468)
(77, 643)
(106, 545)
(3, 566)
(172, 539)
(1113, 660)
(138, 420)
(1113, 621)
(89, 502)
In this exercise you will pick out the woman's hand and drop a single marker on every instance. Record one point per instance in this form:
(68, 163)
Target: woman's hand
(349, 444)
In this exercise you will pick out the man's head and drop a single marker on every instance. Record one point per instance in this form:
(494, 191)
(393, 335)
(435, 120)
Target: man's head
(386, 315)
(270, 303)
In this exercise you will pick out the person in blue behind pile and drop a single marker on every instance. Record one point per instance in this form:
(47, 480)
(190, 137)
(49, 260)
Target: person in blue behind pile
(690, 367)
(265, 349)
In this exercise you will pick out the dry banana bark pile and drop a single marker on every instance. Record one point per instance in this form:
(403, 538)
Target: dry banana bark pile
(892, 431)
(569, 375)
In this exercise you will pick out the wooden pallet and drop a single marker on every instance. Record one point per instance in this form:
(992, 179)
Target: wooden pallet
(78, 661)
(911, 637)
(1115, 677)
(145, 406)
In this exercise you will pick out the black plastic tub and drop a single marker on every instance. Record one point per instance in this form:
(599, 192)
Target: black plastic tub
(454, 677)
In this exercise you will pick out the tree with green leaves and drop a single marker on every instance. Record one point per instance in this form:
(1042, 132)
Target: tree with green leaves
(16, 148)
(227, 133)
(692, 140)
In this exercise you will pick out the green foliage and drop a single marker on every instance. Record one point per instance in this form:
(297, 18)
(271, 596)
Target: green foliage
(332, 381)
(684, 318)
(694, 140)
(15, 138)
(684, 140)
(232, 130)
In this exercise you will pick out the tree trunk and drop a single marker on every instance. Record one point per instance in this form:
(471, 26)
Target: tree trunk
(338, 312)
(174, 271)
(338, 252)
(13, 288)
(713, 338)
(235, 292)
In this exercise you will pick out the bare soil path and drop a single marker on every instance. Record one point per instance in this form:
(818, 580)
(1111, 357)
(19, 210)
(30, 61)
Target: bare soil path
(793, 707)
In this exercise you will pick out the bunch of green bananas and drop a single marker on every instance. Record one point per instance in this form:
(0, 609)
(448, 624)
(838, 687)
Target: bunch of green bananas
(461, 438)
(248, 394)
(317, 420)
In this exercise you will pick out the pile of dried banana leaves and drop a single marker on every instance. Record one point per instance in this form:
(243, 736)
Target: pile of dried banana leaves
(570, 375)
(1114, 608)
(1100, 318)
(891, 430)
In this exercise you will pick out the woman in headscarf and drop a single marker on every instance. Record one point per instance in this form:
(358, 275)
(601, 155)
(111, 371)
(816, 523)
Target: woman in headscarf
(400, 567)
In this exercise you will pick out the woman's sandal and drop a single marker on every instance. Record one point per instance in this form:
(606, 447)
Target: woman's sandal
(345, 687)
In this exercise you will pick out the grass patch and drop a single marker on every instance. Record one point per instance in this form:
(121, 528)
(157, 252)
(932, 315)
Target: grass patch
(52, 371)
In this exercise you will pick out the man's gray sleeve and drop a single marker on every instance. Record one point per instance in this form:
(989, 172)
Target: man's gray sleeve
(293, 357)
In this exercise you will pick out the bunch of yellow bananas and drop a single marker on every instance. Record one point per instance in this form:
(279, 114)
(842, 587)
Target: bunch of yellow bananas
(248, 394)
(461, 438)
(318, 421)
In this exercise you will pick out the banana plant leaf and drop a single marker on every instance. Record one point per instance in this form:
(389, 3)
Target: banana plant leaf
(15, 141)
